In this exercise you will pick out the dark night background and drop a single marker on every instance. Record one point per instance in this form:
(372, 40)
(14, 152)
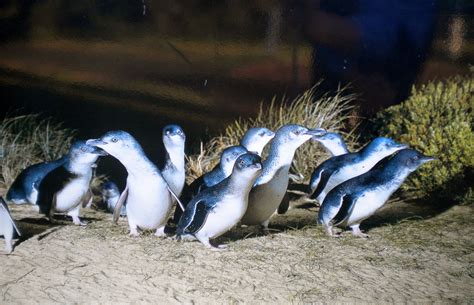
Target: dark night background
(138, 65)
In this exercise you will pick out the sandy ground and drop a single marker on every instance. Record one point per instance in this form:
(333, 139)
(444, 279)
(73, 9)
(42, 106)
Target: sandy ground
(412, 256)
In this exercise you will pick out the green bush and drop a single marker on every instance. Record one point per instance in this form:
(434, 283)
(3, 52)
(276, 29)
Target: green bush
(438, 120)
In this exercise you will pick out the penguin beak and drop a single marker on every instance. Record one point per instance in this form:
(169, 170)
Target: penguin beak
(95, 142)
(99, 151)
(401, 146)
(317, 132)
(425, 159)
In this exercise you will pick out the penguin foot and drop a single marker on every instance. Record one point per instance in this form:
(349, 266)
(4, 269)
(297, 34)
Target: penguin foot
(160, 232)
(8, 248)
(133, 233)
(78, 222)
(360, 234)
(330, 232)
(357, 232)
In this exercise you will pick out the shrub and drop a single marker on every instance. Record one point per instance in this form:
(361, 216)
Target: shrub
(438, 120)
(331, 112)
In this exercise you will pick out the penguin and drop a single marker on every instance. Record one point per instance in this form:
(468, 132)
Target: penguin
(221, 171)
(67, 187)
(356, 199)
(271, 185)
(336, 146)
(25, 187)
(7, 226)
(217, 209)
(110, 196)
(147, 195)
(343, 167)
(256, 138)
(173, 171)
(333, 143)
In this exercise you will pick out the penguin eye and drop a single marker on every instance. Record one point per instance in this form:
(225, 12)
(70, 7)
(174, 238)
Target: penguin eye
(84, 149)
(114, 140)
(262, 134)
(415, 158)
(241, 162)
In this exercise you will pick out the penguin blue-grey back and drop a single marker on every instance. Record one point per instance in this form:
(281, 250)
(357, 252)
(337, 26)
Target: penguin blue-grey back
(356, 199)
(25, 187)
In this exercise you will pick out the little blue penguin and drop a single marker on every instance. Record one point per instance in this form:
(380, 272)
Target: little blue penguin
(221, 171)
(356, 199)
(340, 168)
(7, 226)
(173, 170)
(147, 195)
(110, 196)
(333, 143)
(271, 185)
(256, 138)
(217, 209)
(25, 187)
(66, 187)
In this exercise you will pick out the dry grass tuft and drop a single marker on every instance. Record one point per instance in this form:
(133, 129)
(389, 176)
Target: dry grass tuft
(29, 139)
(331, 112)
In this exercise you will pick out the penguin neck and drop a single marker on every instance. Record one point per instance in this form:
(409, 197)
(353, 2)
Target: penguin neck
(395, 174)
(241, 182)
(79, 168)
(370, 157)
(280, 157)
(175, 157)
(137, 163)
(337, 149)
(226, 168)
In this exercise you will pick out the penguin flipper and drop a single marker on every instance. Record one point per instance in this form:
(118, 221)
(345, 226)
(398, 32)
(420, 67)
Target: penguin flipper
(345, 210)
(87, 198)
(284, 204)
(3, 205)
(324, 176)
(194, 217)
(119, 204)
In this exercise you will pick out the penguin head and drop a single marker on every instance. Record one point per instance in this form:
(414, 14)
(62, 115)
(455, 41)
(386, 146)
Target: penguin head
(296, 135)
(256, 138)
(109, 189)
(410, 159)
(173, 136)
(117, 143)
(81, 152)
(332, 141)
(248, 163)
(383, 147)
(228, 157)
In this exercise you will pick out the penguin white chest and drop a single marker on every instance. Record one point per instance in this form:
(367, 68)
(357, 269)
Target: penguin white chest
(345, 173)
(71, 195)
(6, 227)
(264, 199)
(367, 204)
(148, 202)
(175, 179)
(224, 216)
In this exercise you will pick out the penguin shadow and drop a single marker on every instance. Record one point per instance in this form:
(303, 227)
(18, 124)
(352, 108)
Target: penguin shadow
(41, 228)
(396, 212)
